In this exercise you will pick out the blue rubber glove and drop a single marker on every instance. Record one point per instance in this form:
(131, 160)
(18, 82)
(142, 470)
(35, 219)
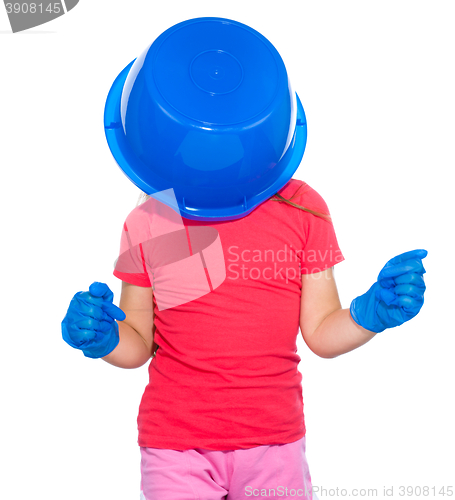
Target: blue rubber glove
(396, 297)
(89, 324)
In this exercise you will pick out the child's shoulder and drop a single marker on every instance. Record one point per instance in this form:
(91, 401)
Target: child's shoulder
(154, 217)
(136, 216)
(303, 194)
(148, 208)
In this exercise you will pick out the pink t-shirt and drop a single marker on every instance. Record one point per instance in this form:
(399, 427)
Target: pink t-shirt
(225, 375)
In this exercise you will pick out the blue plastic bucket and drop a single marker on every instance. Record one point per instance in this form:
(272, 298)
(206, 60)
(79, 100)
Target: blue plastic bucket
(207, 110)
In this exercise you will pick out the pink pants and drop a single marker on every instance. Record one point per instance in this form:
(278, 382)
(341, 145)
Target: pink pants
(264, 471)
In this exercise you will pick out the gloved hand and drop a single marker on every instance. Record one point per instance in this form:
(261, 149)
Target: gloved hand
(89, 324)
(396, 297)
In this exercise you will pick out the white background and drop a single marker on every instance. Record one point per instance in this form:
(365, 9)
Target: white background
(376, 80)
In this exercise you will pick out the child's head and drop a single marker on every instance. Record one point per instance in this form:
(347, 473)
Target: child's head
(212, 97)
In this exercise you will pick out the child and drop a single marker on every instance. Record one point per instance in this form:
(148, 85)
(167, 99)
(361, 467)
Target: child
(217, 305)
(223, 412)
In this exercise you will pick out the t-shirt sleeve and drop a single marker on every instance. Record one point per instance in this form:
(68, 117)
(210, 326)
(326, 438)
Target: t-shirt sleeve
(130, 265)
(320, 250)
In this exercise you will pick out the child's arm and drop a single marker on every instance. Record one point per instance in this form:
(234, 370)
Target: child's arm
(395, 298)
(136, 331)
(327, 329)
